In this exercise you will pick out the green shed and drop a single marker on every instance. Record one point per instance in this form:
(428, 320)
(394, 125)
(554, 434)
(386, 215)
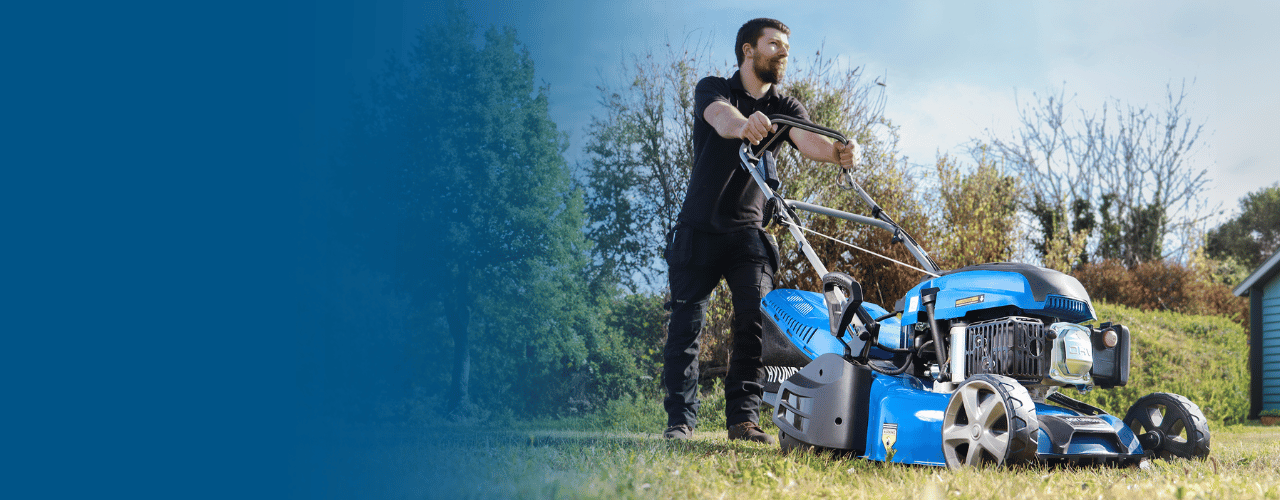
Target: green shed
(1263, 289)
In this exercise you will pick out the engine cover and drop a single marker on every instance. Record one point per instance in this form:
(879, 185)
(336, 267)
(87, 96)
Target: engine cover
(1033, 290)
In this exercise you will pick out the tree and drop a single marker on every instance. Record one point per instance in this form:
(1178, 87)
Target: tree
(639, 153)
(1130, 164)
(1252, 236)
(457, 145)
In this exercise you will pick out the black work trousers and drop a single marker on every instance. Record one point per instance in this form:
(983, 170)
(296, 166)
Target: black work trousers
(745, 259)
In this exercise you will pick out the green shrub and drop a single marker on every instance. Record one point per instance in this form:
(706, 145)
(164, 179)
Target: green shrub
(1162, 286)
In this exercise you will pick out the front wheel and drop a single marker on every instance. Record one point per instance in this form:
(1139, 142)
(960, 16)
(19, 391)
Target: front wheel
(1169, 426)
(990, 419)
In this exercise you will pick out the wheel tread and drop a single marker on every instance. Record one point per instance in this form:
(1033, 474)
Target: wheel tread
(1195, 425)
(1020, 411)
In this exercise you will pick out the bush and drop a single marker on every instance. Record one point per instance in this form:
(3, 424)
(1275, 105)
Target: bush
(1162, 286)
(645, 414)
(979, 214)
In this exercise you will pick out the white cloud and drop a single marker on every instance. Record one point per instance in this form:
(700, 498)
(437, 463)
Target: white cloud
(944, 116)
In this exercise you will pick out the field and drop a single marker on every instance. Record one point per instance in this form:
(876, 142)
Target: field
(454, 463)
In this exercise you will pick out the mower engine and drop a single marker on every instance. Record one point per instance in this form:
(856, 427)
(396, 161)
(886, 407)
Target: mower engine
(1014, 320)
(1043, 356)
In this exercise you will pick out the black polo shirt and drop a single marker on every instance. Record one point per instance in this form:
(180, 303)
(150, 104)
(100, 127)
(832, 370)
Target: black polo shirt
(722, 197)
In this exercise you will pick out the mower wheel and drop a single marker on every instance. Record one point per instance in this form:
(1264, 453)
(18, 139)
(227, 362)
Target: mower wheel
(789, 444)
(1169, 425)
(990, 419)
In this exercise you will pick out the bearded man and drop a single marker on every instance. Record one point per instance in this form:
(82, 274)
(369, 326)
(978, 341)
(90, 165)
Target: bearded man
(719, 233)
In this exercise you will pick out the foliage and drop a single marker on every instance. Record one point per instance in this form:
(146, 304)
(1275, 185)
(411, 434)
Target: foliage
(1253, 235)
(639, 153)
(979, 211)
(469, 181)
(1163, 286)
(640, 324)
(1064, 249)
(1137, 163)
(1204, 358)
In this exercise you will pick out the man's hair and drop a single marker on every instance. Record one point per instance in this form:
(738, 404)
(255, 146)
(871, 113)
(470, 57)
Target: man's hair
(753, 30)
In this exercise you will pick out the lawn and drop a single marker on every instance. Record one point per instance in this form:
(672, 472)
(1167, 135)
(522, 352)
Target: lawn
(615, 452)
(395, 462)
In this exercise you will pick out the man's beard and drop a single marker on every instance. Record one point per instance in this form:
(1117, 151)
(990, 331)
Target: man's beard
(772, 70)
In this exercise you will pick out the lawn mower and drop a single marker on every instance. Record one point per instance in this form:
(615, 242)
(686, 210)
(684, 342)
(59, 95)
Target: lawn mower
(965, 370)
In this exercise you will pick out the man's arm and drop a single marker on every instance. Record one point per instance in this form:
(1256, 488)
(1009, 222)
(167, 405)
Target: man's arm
(730, 123)
(820, 148)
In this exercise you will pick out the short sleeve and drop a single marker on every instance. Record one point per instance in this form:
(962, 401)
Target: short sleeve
(709, 90)
(792, 107)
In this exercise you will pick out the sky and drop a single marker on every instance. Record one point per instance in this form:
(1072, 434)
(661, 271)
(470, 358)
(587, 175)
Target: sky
(955, 71)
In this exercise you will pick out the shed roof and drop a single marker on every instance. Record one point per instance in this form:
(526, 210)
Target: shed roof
(1259, 276)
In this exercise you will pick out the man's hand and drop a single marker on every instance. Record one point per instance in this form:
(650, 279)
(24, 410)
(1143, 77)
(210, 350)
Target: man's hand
(848, 154)
(756, 128)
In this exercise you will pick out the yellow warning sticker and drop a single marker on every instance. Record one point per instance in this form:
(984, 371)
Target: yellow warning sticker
(970, 300)
(889, 436)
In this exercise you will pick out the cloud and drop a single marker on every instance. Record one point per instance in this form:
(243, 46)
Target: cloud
(942, 117)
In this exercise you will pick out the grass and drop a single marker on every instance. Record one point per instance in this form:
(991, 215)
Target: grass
(471, 463)
(617, 452)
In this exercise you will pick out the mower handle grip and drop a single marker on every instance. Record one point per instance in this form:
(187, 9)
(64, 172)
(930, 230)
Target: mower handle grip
(791, 121)
(808, 126)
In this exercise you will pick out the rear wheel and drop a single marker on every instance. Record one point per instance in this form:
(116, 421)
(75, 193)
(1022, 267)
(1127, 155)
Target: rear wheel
(788, 443)
(1169, 425)
(990, 419)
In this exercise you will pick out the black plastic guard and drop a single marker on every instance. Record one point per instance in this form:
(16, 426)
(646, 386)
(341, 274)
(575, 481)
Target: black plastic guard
(1062, 429)
(825, 404)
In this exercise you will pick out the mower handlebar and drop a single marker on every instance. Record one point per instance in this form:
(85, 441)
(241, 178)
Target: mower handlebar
(791, 121)
(808, 126)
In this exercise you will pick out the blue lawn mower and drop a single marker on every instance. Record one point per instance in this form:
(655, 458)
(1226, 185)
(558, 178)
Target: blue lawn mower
(965, 370)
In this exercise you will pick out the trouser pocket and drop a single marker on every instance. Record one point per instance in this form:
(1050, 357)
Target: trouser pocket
(771, 251)
(679, 246)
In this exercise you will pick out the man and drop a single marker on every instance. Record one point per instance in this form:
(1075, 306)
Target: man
(720, 234)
